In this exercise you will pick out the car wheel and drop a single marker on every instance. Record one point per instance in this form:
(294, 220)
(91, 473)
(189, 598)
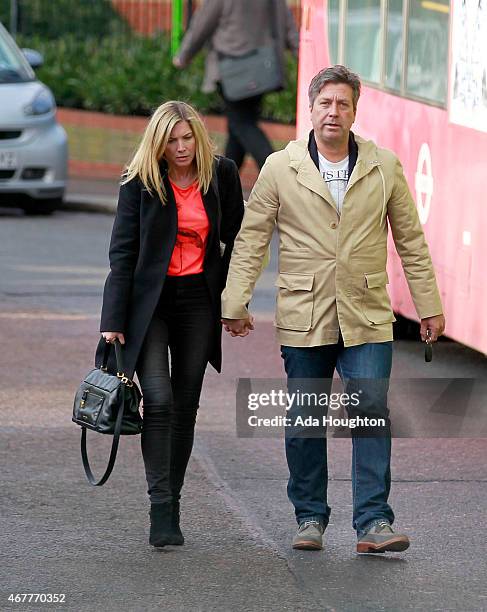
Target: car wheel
(41, 207)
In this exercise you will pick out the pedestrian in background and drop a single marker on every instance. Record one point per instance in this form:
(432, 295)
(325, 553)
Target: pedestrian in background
(237, 29)
(332, 197)
(178, 213)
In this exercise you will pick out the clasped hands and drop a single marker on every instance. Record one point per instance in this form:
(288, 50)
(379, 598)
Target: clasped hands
(238, 327)
(431, 329)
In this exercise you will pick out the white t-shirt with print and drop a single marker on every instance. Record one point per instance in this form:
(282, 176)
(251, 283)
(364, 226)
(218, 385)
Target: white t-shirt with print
(335, 175)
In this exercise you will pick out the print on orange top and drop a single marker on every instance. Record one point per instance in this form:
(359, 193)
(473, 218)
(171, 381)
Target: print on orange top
(193, 227)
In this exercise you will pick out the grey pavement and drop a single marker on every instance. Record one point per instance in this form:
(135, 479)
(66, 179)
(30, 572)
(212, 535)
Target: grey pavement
(59, 535)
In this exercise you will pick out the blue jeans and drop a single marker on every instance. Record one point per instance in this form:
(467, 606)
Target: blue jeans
(307, 456)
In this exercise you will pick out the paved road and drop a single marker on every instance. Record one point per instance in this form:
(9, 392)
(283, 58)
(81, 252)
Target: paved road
(59, 535)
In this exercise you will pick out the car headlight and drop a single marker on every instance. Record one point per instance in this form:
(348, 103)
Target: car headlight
(42, 103)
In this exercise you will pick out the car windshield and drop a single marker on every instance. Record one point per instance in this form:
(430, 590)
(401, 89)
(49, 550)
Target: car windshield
(14, 68)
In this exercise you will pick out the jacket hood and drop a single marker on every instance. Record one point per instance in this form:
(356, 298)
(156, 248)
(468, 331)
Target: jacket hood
(298, 151)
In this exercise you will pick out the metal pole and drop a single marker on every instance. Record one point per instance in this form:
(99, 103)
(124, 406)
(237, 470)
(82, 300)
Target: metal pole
(14, 16)
(177, 25)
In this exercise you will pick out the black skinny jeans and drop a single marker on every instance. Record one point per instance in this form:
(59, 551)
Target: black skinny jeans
(244, 134)
(183, 324)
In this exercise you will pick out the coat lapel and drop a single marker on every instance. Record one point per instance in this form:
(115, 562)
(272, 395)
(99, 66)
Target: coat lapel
(367, 160)
(211, 206)
(309, 176)
(169, 210)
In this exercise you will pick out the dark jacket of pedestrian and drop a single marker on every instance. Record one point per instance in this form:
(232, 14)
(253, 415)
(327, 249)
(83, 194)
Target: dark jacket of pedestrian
(236, 27)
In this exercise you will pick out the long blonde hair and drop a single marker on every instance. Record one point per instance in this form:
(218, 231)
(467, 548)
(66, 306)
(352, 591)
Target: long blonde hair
(145, 162)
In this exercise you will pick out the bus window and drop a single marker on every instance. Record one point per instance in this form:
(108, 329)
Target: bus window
(333, 20)
(427, 58)
(394, 42)
(362, 38)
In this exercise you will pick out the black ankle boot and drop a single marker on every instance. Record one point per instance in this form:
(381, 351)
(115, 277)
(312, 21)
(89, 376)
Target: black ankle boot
(177, 536)
(161, 533)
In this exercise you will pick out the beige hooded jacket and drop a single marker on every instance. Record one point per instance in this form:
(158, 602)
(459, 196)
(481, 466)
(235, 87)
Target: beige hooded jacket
(332, 268)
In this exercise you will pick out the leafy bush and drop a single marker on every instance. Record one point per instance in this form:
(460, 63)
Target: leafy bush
(131, 75)
(52, 19)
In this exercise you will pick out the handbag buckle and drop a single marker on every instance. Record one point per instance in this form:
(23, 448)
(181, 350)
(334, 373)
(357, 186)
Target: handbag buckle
(125, 379)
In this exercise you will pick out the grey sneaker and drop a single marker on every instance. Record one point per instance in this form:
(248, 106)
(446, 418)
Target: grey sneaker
(309, 536)
(381, 538)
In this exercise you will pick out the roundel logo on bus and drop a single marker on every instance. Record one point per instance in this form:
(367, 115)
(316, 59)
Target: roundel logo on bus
(423, 183)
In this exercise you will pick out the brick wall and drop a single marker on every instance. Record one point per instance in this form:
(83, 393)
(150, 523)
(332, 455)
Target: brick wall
(148, 16)
(100, 144)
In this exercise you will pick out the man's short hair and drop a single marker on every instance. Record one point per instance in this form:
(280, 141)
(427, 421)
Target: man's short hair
(334, 74)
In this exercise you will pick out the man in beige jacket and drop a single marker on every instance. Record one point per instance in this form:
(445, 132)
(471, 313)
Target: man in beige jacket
(331, 198)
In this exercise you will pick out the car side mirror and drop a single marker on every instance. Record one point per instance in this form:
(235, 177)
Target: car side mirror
(34, 58)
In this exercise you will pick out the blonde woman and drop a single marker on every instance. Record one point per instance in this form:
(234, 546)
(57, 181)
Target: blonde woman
(178, 205)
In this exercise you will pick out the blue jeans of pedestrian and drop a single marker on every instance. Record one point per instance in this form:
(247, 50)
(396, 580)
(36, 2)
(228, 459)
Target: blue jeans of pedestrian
(307, 456)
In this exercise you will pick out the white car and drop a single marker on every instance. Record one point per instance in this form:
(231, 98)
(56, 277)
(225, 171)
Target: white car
(33, 146)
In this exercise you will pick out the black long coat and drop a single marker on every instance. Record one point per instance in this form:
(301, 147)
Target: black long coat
(143, 238)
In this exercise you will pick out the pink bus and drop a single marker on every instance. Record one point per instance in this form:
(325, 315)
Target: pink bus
(423, 66)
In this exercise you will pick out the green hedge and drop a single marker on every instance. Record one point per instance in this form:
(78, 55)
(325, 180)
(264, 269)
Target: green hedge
(52, 19)
(131, 75)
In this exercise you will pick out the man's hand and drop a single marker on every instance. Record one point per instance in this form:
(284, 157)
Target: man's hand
(436, 327)
(177, 63)
(239, 327)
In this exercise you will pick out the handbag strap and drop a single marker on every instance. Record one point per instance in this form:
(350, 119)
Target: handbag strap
(272, 18)
(113, 452)
(271, 6)
(272, 13)
(118, 423)
(118, 355)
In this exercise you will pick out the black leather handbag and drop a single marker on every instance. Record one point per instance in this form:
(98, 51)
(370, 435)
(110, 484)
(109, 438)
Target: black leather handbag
(108, 404)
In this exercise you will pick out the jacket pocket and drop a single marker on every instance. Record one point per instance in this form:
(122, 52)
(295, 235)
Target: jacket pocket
(376, 305)
(294, 301)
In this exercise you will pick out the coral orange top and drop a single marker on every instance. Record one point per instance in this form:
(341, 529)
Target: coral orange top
(193, 228)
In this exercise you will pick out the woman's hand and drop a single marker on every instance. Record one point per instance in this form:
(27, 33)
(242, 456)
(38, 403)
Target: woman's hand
(238, 327)
(112, 336)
